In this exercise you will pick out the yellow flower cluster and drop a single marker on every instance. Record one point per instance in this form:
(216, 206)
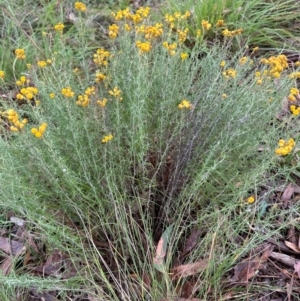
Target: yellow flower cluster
(43, 64)
(20, 54)
(231, 33)
(295, 110)
(143, 46)
(22, 81)
(138, 17)
(185, 104)
(205, 24)
(177, 16)
(251, 199)
(39, 132)
(294, 93)
(80, 6)
(13, 118)
(294, 75)
(220, 23)
(84, 100)
(102, 102)
(113, 31)
(67, 92)
(285, 147)
(101, 57)
(99, 77)
(59, 27)
(184, 56)
(107, 138)
(229, 73)
(27, 93)
(153, 31)
(277, 64)
(116, 92)
(2, 74)
(182, 35)
(170, 47)
(243, 60)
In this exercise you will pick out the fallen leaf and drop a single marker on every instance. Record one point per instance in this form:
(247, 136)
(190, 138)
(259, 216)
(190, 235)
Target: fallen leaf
(161, 250)
(297, 267)
(11, 247)
(6, 266)
(246, 270)
(292, 246)
(189, 269)
(285, 259)
(191, 242)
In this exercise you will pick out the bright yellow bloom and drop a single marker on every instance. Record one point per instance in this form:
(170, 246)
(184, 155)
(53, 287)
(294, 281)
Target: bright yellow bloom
(206, 25)
(231, 33)
(102, 103)
(67, 92)
(259, 82)
(153, 31)
(83, 100)
(220, 23)
(101, 57)
(51, 95)
(182, 35)
(171, 47)
(99, 77)
(184, 56)
(285, 147)
(243, 60)
(294, 75)
(185, 104)
(107, 138)
(42, 64)
(59, 27)
(143, 46)
(116, 92)
(294, 91)
(20, 53)
(229, 73)
(222, 64)
(2, 74)
(90, 91)
(295, 110)
(113, 31)
(251, 200)
(80, 6)
(38, 133)
(255, 49)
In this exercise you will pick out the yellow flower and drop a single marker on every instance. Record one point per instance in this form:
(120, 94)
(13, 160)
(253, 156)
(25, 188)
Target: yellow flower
(143, 46)
(291, 97)
(2, 74)
(113, 31)
(99, 77)
(198, 33)
(20, 53)
(101, 57)
(285, 147)
(229, 73)
(220, 23)
(116, 92)
(102, 103)
(294, 91)
(255, 49)
(107, 138)
(224, 96)
(259, 82)
(67, 92)
(185, 104)
(251, 200)
(243, 60)
(51, 95)
(38, 133)
(206, 25)
(42, 64)
(80, 6)
(59, 27)
(222, 64)
(184, 56)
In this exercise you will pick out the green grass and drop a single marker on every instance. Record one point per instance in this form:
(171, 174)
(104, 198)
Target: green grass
(106, 205)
